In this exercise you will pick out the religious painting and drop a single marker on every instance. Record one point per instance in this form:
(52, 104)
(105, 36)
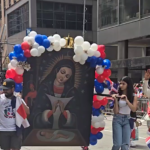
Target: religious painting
(59, 93)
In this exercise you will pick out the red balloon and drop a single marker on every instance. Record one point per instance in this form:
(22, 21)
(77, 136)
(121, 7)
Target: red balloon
(95, 98)
(27, 53)
(107, 73)
(103, 55)
(100, 129)
(96, 104)
(101, 48)
(109, 80)
(10, 73)
(96, 75)
(104, 101)
(25, 46)
(94, 130)
(18, 79)
(101, 78)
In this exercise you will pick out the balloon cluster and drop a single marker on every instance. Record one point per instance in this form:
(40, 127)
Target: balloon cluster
(102, 85)
(84, 49)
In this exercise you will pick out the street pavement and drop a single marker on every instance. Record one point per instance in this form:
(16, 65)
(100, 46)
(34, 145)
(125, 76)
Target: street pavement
(106, 142)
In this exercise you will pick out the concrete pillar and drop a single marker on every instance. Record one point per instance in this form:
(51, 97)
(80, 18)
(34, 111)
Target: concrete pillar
(122, 54)
(32, 14)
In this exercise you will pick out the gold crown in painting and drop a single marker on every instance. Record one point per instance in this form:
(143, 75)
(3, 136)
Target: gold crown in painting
(69, 42)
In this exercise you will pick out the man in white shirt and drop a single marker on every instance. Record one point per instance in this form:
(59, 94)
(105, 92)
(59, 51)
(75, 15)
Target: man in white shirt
(8, 135)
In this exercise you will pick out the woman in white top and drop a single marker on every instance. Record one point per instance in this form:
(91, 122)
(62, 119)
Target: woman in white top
(125, 102)
(146, 91)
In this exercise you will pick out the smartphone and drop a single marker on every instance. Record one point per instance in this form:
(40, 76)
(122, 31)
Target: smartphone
(148, 70)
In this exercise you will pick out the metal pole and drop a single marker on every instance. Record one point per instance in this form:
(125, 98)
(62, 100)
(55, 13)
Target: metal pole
(84, 10)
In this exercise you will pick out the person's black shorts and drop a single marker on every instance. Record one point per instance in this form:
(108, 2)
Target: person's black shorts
(10, 140)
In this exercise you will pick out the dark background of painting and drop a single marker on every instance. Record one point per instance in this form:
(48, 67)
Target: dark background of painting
(85, 90)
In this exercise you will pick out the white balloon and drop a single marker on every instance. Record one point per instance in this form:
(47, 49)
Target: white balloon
(79, 40)
(76, 58)
(62, 42)
(95, 91)
(97, 54)
(39, 54)
(56, 44)
(100, 97)
(100, 70)
(50, 49)
(94, 47)
(32, 34)
(102, 124)
(96, 125)
(34, 52)
(84, 56)
(101, 118)
(94, 119)
(56, 37)
(14, 63)
(31, 40)
(19, 70)
(75, 46)
(86, 45)
(82, 62)
(106, 91)
(25, 38)
(51, 39)
(90, 52)
(10, 66)
(58, 48)
(78, 50)
(35, 45)
(41, 49)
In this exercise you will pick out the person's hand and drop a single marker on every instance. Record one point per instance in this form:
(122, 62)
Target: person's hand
(55, 106)
(114, 96)
(147, 74)
(62, 108)
(124, 97)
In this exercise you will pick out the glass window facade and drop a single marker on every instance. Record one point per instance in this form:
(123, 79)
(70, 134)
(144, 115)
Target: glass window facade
(108, 12)
(128, 10)
(63, 16)
(18, 20)
(115, 12)
(145, 8)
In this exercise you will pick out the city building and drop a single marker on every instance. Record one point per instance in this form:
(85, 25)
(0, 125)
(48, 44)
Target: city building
(125, 26)
(121, 25)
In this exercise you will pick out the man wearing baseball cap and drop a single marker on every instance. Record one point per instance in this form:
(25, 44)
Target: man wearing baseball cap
(8, 135)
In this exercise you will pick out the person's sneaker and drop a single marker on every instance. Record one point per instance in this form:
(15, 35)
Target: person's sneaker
(132, 144)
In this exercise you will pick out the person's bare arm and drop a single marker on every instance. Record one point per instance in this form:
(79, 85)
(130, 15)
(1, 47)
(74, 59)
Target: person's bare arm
(116, 109)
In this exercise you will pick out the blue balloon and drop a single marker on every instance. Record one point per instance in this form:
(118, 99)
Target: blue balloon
(108, 83)
(96, 112)
(18, 49)
(44, 37)
(106, 63)
(21, 57)
(89, 59)
(93, 140)
(39, 39)
(96, 83)
(109, 87)
(18, 87)
(102, 108)
(99, 135)
(104, 85)
(46, 43)
(11, 55)
(99, 89)
(99, 61)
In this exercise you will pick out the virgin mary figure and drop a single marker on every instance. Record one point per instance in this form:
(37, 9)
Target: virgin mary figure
(57, 101)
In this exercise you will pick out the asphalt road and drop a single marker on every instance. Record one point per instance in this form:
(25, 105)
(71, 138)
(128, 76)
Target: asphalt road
(105, 143)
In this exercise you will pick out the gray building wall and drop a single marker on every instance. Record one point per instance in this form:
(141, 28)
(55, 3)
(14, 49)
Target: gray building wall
(89, 35)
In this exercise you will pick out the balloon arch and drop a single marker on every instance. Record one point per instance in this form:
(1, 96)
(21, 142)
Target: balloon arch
(34, 45)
